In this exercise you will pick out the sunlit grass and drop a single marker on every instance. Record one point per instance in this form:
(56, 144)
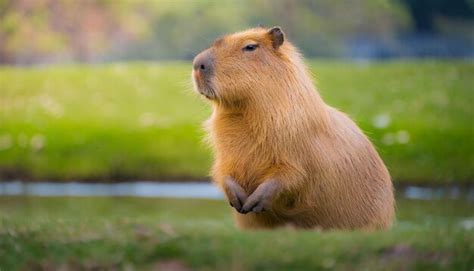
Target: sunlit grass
(142, 121)
(123, 233)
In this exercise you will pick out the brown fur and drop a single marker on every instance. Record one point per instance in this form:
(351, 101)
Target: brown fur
(269, 123)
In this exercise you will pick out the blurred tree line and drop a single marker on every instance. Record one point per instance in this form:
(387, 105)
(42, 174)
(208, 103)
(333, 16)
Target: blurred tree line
(47, 31)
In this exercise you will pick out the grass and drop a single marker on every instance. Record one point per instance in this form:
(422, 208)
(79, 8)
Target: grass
(142, 234)
(142, 121)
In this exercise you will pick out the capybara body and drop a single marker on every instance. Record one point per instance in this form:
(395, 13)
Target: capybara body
(282, 156)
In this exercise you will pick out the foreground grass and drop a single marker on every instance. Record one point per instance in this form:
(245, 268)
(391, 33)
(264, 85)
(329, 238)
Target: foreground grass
(142, 121)
(134, 233)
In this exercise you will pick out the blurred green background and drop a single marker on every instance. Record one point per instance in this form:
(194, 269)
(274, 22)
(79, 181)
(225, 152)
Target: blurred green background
(100, 91)
(51, 31)
(102, 112)
(143, 121)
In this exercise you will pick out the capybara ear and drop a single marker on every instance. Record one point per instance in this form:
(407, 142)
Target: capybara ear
(277, 36)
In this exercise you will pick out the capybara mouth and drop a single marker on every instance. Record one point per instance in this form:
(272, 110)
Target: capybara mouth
(203, 86)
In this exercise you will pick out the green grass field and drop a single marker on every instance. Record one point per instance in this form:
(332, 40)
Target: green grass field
(142, 234)
(142, 121)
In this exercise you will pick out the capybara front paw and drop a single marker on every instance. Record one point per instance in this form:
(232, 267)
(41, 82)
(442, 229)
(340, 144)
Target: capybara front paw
(256, 206)
(235, 194)
(261, 199)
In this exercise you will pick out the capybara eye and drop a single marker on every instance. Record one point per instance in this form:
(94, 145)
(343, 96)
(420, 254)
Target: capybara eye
(250, 47)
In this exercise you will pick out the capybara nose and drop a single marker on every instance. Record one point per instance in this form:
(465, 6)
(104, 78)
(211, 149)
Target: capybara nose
(203, 62)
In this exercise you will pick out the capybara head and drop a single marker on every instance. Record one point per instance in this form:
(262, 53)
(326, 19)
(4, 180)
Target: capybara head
(243, 65)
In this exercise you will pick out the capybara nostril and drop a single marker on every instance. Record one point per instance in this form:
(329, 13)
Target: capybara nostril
(203, 62)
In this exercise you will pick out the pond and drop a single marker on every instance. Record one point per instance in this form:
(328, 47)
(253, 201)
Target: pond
(204, 190)
(135, 189)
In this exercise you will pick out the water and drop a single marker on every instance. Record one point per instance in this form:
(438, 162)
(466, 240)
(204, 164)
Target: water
(136, 189)
(203, 190)
(429, 193)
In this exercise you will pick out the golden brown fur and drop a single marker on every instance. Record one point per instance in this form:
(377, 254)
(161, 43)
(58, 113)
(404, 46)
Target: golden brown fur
(269, 123)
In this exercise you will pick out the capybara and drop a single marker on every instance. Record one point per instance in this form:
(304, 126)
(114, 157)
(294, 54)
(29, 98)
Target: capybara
(283, 157)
